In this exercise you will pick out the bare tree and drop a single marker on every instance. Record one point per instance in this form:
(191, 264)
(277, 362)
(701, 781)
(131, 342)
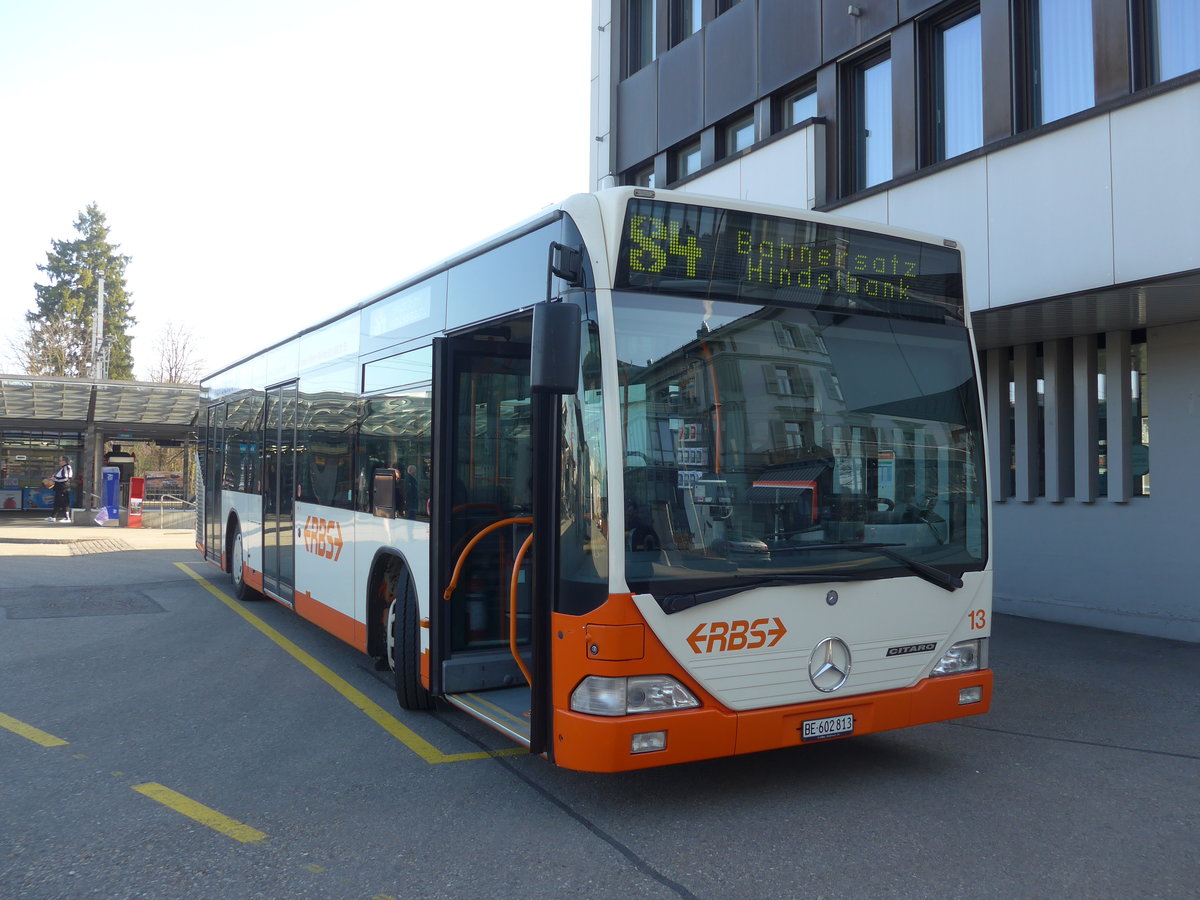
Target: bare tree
(177, 359)
(56, 346)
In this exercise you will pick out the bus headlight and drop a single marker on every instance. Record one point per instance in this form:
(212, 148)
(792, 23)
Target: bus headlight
(965, 656)
(600, 696)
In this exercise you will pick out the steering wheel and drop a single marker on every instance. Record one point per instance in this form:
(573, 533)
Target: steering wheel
(891, 504)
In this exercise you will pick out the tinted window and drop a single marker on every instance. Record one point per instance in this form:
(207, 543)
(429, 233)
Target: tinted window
(1065, 77)
(396, 433)
(414, 312)
(505, 278)
(960, 87)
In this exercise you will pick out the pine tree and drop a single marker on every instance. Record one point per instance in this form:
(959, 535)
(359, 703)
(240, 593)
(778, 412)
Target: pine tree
(59, 334)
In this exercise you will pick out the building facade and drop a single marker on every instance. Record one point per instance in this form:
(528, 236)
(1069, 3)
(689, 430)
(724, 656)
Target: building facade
(1058, 141)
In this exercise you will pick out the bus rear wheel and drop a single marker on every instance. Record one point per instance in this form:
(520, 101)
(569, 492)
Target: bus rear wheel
(404, 642)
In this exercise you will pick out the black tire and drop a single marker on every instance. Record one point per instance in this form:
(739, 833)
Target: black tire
(241, 590)
(406, 644)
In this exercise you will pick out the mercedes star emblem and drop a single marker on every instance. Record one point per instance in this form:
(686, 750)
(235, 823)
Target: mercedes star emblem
(829, 665)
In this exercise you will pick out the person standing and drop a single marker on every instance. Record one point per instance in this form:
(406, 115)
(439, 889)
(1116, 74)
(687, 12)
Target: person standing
(410, 492)
(62, 491)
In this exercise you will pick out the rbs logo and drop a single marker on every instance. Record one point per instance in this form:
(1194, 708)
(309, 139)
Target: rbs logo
(323, 537)
(717, 637)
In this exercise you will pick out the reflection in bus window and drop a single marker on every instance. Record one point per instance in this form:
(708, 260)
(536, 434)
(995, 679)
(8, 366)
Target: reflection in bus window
(584, 549)
(751, 432)
(396, 433)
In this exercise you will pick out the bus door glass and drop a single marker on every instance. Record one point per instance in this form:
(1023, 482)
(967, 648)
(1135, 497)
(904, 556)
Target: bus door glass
(214, 456)
(485, 478)
(279, 491)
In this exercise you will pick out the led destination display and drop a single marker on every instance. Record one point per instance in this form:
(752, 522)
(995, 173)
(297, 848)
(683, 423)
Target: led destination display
(676, 248)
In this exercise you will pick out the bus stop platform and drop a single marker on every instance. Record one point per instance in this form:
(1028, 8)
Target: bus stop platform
(26, 535)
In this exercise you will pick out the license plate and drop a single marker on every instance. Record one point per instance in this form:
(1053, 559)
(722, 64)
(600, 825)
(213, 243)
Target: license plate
(834, 726)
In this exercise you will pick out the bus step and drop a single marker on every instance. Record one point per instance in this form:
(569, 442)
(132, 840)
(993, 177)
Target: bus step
(505, 709)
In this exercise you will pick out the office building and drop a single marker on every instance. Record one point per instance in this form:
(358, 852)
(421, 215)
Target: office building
(1057, 141)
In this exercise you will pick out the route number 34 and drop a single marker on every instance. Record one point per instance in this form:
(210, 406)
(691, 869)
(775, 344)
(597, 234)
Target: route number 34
(978, 619)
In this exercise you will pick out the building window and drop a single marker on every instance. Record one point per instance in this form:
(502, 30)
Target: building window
(870, 116)
(738, 134)
(640, 34)
(793, 434)
(798, 337)
(686, 17)
(1172, 37)
(1067, 416)
(1102, 419)
(797, 106)
(1139, 379)
(958, 85)
(642, 177)
(685, 161)
(724, 6)
(787, 381)
(1139, 418)
(1061, 70)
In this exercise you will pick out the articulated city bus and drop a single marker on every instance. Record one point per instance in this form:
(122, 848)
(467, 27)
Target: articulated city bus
(651, 478)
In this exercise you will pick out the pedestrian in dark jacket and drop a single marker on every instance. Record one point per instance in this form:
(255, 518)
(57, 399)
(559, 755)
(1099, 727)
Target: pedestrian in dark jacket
(62, 491)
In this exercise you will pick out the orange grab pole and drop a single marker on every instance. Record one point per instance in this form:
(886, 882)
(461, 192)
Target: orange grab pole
(462, 557)
(512, 609)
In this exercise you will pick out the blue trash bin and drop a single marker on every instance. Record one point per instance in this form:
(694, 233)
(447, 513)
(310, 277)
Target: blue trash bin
(110, 493)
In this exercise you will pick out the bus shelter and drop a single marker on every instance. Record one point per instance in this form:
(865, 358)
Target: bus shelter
(43, 418)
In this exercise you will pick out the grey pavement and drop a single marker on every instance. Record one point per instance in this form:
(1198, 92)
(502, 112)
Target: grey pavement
(25, 535)
(1082, 782)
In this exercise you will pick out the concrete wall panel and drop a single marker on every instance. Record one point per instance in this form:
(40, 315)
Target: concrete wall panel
(1050, 215)
(1155, 154)
(952, 204)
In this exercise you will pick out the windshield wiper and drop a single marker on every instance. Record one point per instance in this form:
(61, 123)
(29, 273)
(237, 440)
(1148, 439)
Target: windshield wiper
(673, 603)
(931, 574)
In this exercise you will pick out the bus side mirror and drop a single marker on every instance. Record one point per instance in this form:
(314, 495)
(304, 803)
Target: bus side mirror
(554, 365)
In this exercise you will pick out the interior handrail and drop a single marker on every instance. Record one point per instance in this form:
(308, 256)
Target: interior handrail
(471, 544)
(512, 609)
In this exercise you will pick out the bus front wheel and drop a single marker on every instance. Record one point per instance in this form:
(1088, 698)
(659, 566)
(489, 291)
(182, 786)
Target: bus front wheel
(404, 642)
(237, 567)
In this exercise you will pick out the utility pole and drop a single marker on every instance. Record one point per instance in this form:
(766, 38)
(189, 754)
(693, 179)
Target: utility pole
(99, 349)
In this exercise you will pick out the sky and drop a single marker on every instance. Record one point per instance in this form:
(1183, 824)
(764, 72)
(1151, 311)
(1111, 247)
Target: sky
(268, 163)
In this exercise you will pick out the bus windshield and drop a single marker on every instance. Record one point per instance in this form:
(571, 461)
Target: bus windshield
(775, 444)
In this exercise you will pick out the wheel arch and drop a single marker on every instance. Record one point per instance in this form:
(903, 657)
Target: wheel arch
(385, 558)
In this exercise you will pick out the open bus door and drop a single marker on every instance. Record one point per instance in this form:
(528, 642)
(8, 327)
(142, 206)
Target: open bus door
(495, 514)
(279, 492)
(214, 457)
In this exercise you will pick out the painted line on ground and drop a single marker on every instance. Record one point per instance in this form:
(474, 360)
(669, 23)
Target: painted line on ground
(16, 726)
(357, 698)
(199, 812)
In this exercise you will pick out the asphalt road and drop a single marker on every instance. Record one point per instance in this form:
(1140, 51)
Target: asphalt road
(154, 742)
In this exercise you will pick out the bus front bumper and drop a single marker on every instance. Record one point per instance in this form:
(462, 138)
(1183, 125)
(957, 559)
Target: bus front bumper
(601, 744)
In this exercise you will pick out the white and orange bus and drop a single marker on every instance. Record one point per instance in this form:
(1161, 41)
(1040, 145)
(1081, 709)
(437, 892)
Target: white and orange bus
(651, 478)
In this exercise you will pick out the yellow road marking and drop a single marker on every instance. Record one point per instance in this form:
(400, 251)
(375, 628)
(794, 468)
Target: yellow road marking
(200, 813)
(30, 733)
(357, 698)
